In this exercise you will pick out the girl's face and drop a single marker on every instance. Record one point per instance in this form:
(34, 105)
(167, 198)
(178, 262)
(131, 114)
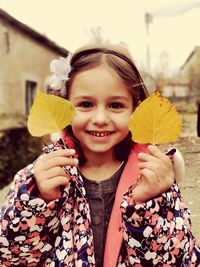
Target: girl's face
(103, 108)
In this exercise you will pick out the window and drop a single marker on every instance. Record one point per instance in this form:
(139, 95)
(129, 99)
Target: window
(7, 42)
(30, 94)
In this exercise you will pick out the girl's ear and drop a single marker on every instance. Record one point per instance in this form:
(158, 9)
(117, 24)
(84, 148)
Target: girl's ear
(179, 166)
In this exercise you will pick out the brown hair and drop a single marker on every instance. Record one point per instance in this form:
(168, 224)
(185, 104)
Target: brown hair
(121, 62)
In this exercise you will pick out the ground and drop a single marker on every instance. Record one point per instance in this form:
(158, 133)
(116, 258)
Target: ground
(189, 146)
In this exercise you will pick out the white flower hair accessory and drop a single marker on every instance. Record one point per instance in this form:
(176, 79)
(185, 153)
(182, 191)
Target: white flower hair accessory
(60, 69)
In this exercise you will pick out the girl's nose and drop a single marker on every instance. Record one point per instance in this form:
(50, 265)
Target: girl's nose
(100, 116)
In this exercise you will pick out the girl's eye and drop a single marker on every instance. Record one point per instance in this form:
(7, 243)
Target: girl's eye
(116, 105)
(85, 104)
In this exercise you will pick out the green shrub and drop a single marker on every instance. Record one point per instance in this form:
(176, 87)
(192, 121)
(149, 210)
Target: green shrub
(17, 149)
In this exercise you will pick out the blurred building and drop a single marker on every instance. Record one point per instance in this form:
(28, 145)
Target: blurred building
(186, 84)
(190, 71)
(25, 56)
(176, 89)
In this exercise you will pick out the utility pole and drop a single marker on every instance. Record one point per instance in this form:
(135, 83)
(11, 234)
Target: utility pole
(148, 20)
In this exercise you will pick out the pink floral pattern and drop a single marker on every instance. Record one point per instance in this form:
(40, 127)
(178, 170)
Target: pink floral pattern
(58, 233)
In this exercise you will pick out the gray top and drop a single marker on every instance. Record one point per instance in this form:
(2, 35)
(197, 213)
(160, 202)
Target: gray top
(101, 196)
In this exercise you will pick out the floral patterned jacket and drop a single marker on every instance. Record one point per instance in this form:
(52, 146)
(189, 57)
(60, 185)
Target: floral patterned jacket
(58, 233)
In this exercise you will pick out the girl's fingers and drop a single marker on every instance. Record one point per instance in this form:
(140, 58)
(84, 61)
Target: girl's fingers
(156, 172)
(59, 161)
(58, 181)
(155, 156)
(149, 175)
(149, 165)
(60, 153)
(50, 174)
(154, 178)
(50, 189)
(156, 152)
(54, 172)
(145, 157)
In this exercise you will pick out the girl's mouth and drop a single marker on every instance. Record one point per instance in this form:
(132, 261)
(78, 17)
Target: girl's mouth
(100, 134)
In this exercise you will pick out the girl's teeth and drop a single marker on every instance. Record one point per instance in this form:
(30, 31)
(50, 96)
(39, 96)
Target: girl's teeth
(99, 134)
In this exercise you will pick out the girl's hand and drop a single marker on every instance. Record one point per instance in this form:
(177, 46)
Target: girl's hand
(157, 175)
(50, 175)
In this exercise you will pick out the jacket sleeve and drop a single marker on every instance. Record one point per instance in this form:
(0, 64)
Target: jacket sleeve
(159, 231)
(28, 225)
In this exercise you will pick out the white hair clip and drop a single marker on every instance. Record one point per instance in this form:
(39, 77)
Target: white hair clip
(60, 69)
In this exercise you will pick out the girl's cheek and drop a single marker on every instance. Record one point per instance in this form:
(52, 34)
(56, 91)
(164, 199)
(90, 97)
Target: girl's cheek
(77, 122)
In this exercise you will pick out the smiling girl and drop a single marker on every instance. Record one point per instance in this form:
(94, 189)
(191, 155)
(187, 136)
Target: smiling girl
(84, 205)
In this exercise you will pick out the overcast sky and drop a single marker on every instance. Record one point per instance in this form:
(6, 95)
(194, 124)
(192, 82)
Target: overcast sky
(173, 32)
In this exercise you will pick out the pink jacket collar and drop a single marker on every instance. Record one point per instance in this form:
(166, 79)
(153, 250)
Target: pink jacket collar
(114, 234)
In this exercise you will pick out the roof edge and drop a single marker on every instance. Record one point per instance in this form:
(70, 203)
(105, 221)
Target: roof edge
(189, 57)
(33, 33)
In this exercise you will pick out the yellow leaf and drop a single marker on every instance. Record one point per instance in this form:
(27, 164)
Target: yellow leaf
(155, 121)
(49, 114)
